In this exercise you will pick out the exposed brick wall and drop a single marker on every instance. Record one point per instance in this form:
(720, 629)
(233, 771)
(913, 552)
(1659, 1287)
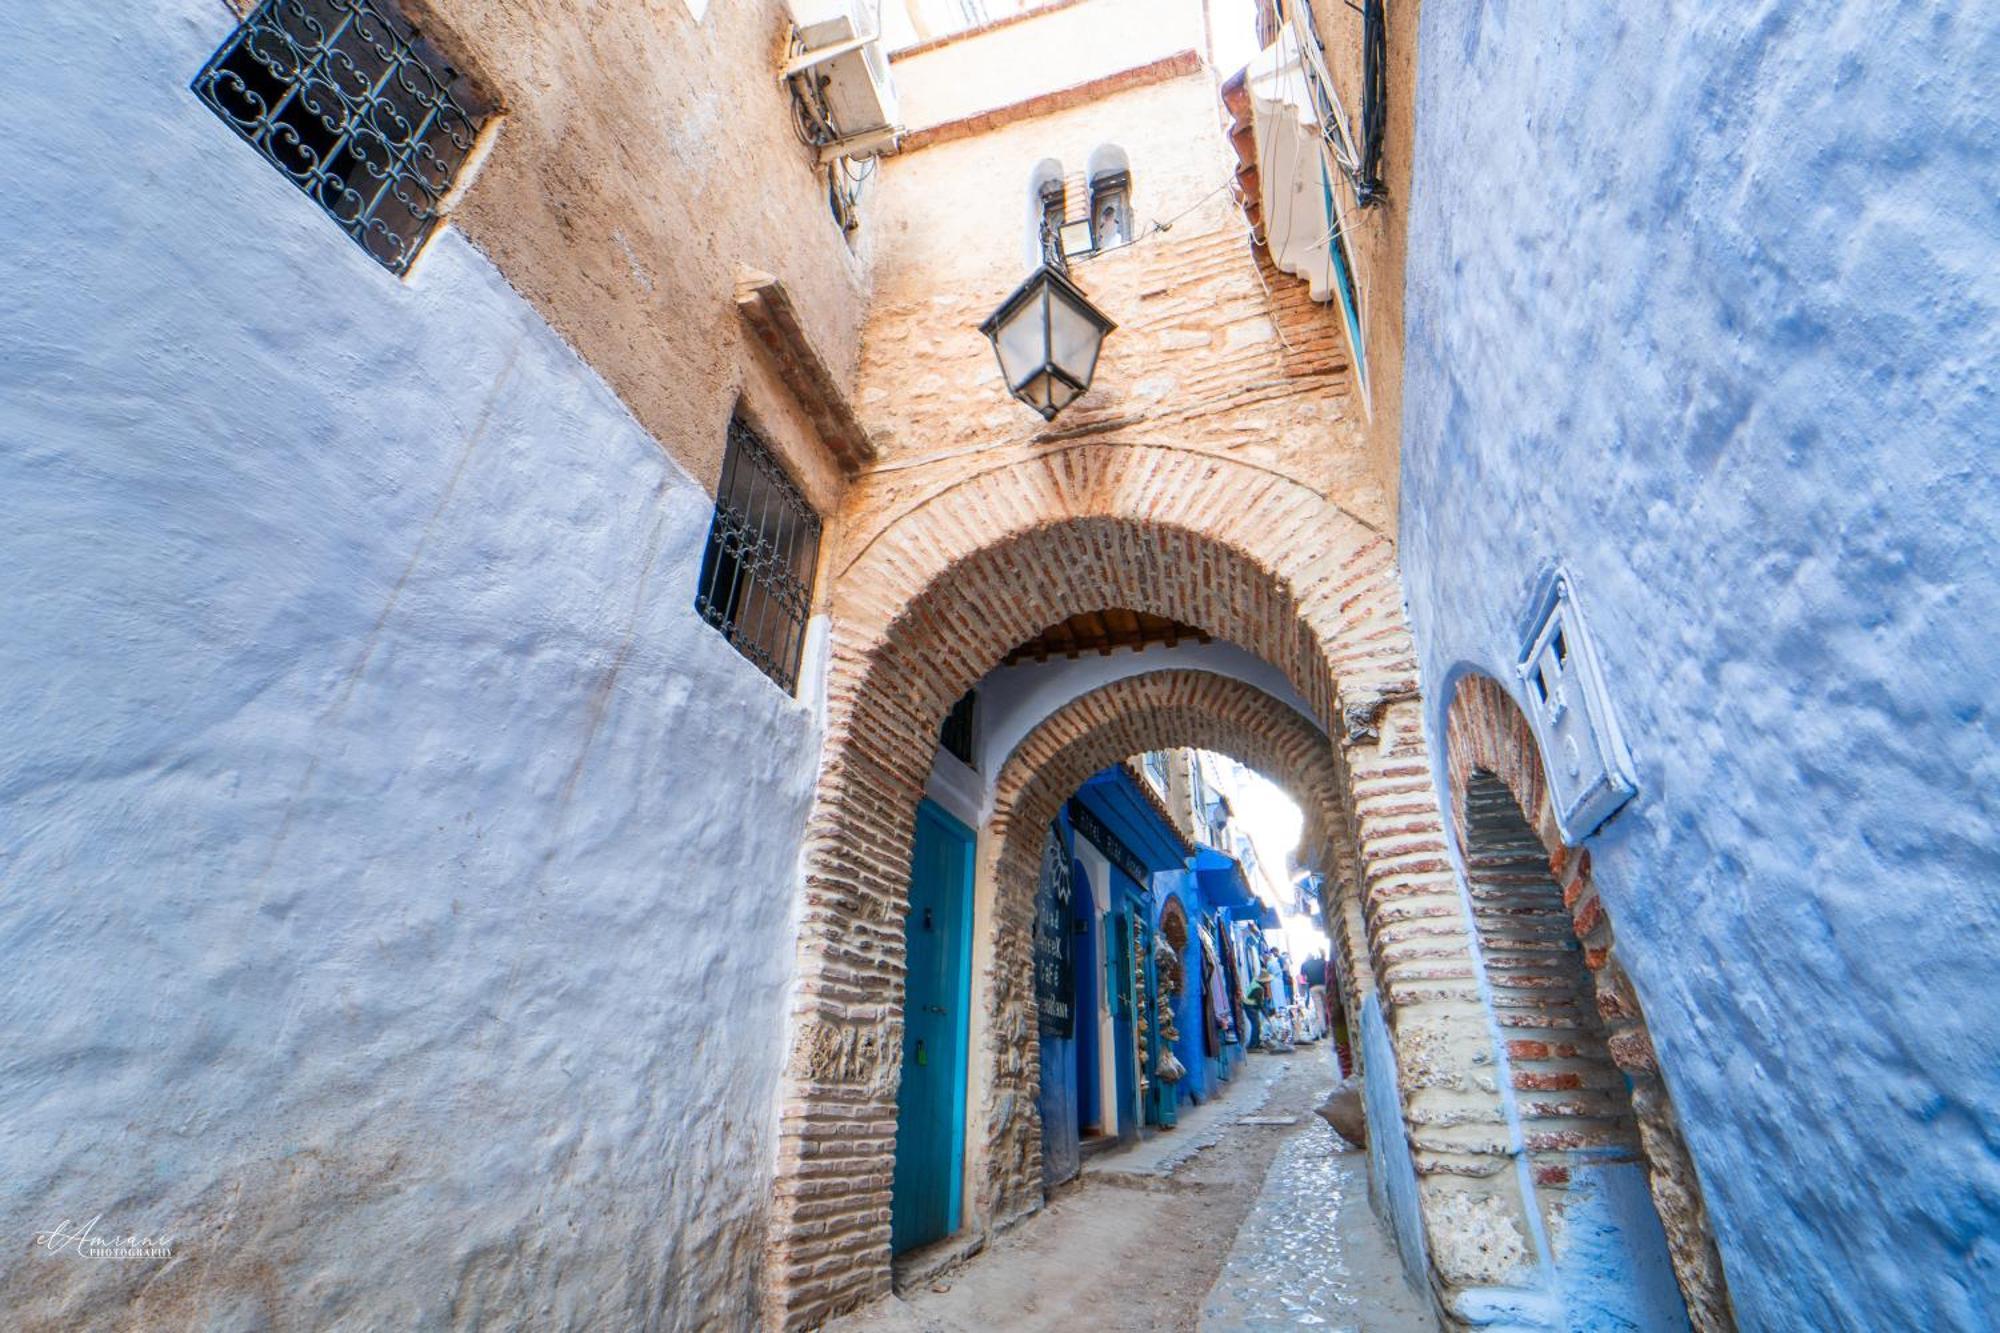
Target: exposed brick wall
(1569, 1094)
(1127, 717)
(1213, 474)
(1515, 853)
(978, 553)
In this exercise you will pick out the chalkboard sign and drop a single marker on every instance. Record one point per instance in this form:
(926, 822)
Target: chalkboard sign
(1055, 947)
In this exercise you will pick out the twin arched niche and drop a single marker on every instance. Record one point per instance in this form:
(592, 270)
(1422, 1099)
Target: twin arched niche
(1507, 831)
(942, 571)
(1105, 726)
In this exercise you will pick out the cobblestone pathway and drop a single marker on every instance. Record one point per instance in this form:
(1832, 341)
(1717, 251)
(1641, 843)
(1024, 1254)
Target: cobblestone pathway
(1311, 1254)
(1247, 1217)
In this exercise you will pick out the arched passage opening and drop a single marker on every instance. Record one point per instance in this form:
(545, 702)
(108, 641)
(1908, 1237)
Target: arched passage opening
(1576, 1041)
(935, 582)
(1159, 710)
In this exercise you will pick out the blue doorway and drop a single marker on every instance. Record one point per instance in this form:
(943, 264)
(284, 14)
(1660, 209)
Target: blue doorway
(930, 1102)
(1089, 1098)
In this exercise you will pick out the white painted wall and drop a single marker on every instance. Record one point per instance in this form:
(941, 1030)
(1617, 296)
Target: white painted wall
(379, 918)
(1097, 871)
(1067, 47)
(1014, 700)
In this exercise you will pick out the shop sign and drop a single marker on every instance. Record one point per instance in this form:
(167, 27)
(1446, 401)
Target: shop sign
(1055, 947)
(1104, 840)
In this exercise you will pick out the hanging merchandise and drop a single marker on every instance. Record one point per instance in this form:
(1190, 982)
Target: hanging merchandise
(1232, 984)
(1172, 980)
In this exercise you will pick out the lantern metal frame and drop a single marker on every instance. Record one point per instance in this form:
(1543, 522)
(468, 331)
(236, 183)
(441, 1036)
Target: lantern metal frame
(1045, 284)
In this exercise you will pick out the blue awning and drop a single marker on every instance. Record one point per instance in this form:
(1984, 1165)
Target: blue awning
(1130, 815)
(1220, 877)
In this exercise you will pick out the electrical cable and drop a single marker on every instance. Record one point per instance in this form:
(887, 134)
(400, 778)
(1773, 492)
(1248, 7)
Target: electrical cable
(1368, 187)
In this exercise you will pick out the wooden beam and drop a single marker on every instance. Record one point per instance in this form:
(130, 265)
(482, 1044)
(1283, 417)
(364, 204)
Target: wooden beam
(768, 312)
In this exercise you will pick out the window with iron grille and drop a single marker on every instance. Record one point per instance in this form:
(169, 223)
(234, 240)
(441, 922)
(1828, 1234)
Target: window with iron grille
(347, 100)
(757, 576)
(956, 735)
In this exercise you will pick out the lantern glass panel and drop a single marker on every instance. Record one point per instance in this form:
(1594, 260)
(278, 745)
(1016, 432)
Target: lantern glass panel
(1061, 394)
(1074, 338)
(1022, 339)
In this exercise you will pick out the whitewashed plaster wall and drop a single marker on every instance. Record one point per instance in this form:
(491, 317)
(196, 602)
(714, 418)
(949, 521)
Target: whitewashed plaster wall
(1064, 48)
(364, 932)
(1014, 700)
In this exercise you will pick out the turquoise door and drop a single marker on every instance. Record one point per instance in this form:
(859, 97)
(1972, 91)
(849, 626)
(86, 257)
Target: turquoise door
(930, 1103)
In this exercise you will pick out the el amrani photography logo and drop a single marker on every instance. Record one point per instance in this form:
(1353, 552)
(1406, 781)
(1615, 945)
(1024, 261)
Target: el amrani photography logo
(87, 1240)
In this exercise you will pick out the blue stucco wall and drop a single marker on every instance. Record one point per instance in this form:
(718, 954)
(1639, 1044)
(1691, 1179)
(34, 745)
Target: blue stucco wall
(1392, 1177)
(362, 933)
(1702, 302)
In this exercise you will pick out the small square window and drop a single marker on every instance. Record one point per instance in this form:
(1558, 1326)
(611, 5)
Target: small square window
(763, 549)
(348, 101)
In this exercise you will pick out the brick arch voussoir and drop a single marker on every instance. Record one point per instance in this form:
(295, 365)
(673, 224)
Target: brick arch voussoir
(925, 597)
(1159, 710)
(1486, 731)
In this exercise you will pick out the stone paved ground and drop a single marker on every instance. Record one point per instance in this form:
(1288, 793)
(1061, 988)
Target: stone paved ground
(1204, 1228)
(1312, 1254)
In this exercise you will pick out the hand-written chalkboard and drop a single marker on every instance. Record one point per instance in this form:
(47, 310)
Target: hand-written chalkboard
(1055, 947)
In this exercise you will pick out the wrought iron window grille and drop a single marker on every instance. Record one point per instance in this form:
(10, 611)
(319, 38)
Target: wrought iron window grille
(347, 100)
(955, 737)
(763, 548)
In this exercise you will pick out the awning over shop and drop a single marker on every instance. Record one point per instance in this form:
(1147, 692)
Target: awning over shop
(1132, 815)
(1221, 880)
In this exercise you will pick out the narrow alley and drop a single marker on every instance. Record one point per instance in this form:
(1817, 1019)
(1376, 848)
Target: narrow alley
(1251, 1215)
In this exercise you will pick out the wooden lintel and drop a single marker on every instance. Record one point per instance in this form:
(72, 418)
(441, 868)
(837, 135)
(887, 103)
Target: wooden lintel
(767, 310)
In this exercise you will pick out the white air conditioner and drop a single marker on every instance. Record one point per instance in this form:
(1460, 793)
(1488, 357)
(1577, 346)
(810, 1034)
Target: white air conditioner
(841, 60)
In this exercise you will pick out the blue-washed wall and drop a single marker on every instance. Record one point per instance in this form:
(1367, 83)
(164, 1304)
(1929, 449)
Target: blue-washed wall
(362, 934)
(1704, 302)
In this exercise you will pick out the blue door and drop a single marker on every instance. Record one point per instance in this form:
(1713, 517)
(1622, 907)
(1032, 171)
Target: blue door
(1089, 1096)
(1118, 982)
(930, 1103)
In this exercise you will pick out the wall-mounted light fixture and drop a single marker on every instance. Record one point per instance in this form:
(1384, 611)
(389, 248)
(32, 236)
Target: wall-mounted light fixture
(1047, 335)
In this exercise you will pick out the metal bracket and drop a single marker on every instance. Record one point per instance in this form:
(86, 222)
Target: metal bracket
(810, 59)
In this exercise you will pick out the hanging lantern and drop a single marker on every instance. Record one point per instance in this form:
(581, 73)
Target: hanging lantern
(1047, 336)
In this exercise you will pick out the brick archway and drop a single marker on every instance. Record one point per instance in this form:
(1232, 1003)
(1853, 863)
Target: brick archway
(1154, 711)
(935, 581)
(1496, 778)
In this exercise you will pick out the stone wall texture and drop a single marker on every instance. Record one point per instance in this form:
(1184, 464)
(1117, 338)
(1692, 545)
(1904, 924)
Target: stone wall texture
(645, 157)
(1702, 304)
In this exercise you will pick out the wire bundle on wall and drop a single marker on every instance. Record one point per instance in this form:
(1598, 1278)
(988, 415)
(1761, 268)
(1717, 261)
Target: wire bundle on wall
(1374, 102)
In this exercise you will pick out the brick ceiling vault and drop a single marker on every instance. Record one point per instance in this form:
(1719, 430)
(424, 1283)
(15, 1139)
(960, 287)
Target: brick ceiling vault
(935, 584)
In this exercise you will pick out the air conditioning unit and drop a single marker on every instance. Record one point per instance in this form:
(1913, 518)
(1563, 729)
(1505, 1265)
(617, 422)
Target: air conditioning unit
(841, 70)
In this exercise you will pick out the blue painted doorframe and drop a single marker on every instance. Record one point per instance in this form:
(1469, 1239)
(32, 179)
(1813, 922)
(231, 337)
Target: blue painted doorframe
(930, 1101)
